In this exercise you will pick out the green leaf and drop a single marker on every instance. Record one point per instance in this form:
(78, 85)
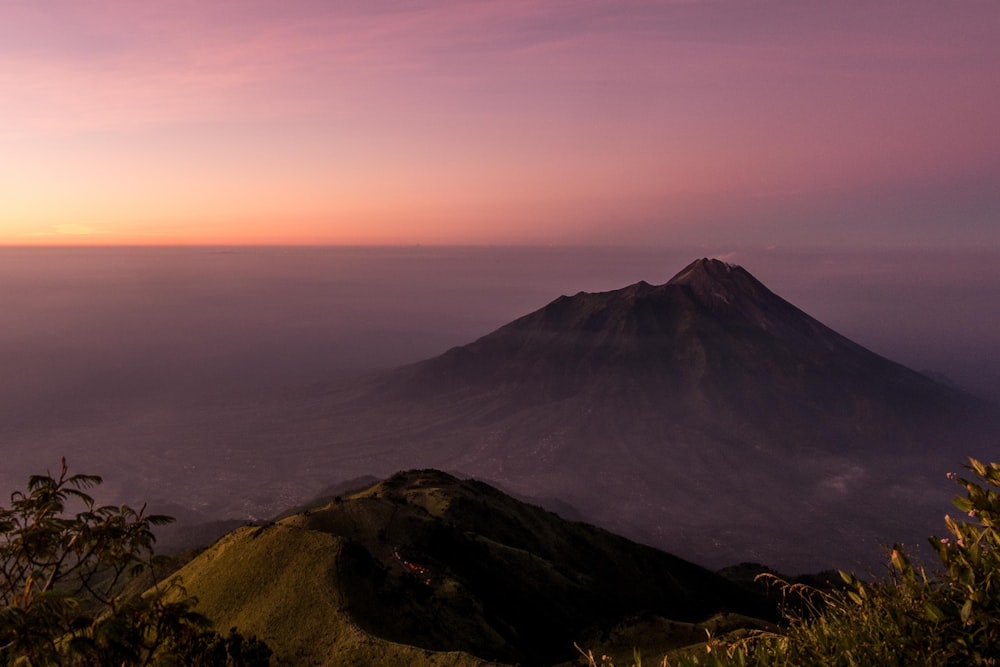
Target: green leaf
(934, 612)
(977, 467)
(966, 611)
(901, 562)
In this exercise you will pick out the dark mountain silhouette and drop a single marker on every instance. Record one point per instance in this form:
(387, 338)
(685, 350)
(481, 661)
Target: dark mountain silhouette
(424, 562)
(710, 347)
(706, 416)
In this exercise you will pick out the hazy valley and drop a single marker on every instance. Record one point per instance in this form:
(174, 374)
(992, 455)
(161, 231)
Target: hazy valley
(262, 396)
(235, 385)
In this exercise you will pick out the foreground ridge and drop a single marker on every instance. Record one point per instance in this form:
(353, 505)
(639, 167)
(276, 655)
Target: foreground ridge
(425, 568)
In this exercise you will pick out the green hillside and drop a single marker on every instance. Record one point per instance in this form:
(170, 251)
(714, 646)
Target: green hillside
(431, 570)
(283, 582)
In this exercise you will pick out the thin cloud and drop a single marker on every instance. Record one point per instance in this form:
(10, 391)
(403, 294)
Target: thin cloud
(69, 229)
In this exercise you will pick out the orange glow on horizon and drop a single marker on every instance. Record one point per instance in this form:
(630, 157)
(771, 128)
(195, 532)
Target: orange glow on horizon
(580, 123)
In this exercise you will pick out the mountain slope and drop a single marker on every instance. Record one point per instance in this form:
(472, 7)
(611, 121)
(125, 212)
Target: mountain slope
(426, 562)
(707, 416)
(711, 345)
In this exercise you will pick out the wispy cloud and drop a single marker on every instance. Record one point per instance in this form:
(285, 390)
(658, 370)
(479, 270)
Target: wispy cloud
(68, 229)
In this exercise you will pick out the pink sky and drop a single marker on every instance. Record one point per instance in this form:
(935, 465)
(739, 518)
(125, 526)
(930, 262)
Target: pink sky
(584, 121)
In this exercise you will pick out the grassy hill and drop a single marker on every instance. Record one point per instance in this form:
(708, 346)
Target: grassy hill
(281, 582)
(427, 569)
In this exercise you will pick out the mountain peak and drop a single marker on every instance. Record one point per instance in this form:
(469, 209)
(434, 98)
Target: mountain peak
(649, 392)
(715, 281)
(704, 268)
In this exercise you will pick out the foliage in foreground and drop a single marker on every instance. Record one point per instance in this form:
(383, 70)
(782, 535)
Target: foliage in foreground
(65, 599)
(947, 617)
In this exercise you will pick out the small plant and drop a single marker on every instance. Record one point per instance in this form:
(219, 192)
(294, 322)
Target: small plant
(967, 609)
(70, 593)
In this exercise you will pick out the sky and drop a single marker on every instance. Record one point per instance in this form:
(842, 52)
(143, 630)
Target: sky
(782, 122)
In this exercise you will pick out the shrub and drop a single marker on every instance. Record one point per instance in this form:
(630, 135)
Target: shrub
(69, 593)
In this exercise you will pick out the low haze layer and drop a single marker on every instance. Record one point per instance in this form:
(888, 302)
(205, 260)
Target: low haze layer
(174, 372)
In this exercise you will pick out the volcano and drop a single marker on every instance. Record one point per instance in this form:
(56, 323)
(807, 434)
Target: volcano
(706, 416)
(711, 352)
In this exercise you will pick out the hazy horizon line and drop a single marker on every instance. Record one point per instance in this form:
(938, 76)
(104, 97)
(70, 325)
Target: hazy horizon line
(718, 247)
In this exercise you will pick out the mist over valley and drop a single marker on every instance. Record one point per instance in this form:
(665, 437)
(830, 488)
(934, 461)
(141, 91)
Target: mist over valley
(224, 383)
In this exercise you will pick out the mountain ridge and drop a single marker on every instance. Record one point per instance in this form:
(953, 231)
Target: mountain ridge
(425, 568)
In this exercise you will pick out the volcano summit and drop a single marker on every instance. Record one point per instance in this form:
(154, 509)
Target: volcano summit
(706, 416)
(712, 349)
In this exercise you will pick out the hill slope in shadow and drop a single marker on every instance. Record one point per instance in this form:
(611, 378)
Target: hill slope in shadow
(424, 568)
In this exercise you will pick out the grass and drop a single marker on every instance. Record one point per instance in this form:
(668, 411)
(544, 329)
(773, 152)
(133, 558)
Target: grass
(505, 580)
(279, 582)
